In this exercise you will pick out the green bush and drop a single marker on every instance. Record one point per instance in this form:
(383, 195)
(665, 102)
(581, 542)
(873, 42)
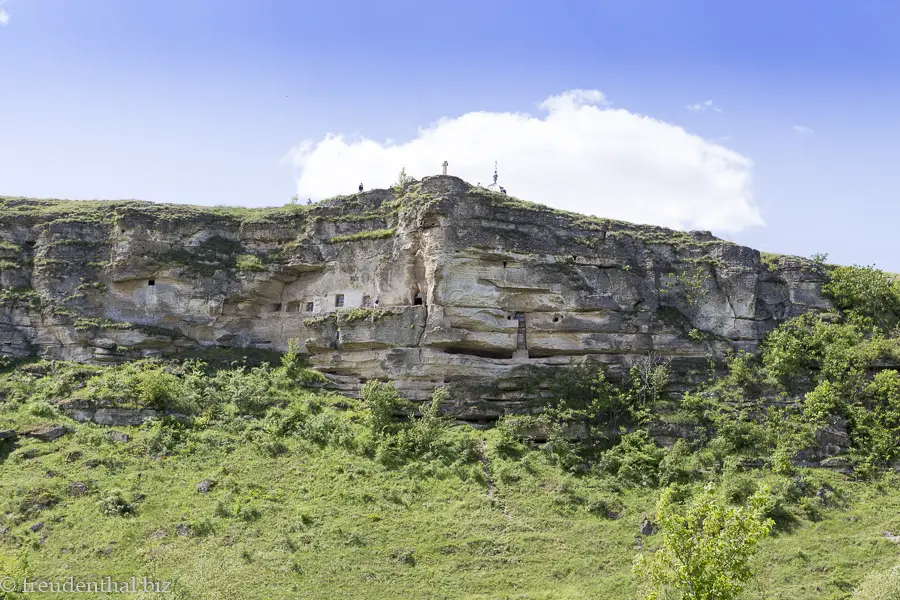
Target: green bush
(141, 384)
(251, 391)
(679, 465)
(883, 393)
(634, 461)
(428, 438)
(115, 505)
(329, 428)
(866, 291)
(649, 380)
(166, 437)
(822, 402)
(432, 425)
(511, 433)
(737, 486)
(706, 548)
(739, 433)
(403, 180)
(295, 368)
(383, 406)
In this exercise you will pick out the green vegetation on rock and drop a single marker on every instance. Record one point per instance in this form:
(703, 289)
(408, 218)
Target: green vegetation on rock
(350, 315)
(83, 324)
(365, 314)
(20, 297)
(376, 234)
(249, 263)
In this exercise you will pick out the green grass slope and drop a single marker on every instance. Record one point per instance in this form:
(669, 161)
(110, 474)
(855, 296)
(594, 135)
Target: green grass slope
(307, 499)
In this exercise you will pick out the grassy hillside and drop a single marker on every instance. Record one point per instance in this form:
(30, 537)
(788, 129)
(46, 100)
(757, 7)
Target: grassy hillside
(256, 485)
(291, 516)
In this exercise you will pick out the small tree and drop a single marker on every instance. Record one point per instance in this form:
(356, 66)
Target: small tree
(291, 361)
(384, 405)
(706, 549)
(819, 259)
(403, 180)
(649, 380)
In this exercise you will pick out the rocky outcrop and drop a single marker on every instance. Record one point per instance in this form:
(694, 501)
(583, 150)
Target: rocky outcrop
(442, 284)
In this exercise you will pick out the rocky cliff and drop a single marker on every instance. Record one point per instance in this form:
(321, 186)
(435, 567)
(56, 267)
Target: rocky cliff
(438, 283)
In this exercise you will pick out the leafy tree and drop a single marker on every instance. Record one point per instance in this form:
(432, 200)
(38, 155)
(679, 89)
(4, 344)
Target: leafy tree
(866, 291)
(706, 548)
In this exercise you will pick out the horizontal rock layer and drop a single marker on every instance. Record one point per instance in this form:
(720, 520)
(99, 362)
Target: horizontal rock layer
(444, 284)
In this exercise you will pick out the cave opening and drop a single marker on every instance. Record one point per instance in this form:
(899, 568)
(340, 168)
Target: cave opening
(480, 353)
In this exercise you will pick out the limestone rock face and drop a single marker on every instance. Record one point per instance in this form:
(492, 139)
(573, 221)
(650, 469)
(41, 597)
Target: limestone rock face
(442, 284)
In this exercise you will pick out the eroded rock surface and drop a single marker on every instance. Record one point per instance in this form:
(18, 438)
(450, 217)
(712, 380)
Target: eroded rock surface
(447, 284)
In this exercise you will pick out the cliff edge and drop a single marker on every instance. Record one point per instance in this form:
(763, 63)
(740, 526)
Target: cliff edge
(438, 283)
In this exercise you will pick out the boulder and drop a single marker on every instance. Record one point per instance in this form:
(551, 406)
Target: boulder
(77, 489)
(118, 436)
(47, 433)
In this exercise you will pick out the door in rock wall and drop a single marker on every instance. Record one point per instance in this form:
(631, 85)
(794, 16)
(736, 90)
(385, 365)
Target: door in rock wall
(520, 338)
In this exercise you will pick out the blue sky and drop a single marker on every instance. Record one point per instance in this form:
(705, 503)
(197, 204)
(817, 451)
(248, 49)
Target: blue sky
(210, 102)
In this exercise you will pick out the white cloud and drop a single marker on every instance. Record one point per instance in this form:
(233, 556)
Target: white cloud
(574, 99)
(703, 106)
(4, 17)
(580, 157)
(803, 130)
